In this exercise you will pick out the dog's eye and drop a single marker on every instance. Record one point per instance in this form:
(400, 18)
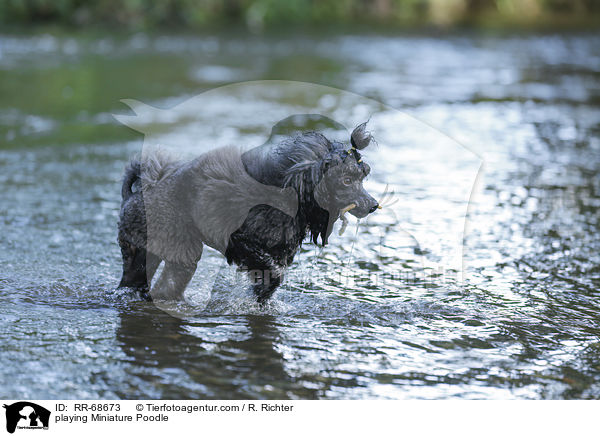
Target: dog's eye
(347, 181)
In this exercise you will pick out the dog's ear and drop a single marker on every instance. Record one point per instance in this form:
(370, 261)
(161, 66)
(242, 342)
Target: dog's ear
(325, 164)
(329, 161)
(360, 138)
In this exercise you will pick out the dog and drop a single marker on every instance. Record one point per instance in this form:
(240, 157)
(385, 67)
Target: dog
(255, 207)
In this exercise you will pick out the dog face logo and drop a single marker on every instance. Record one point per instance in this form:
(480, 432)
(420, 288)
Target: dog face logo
(26, 415)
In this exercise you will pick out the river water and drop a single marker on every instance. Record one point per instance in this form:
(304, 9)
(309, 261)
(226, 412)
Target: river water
(492, 141)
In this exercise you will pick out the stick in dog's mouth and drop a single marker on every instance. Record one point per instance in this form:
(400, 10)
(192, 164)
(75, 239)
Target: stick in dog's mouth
(343, 217)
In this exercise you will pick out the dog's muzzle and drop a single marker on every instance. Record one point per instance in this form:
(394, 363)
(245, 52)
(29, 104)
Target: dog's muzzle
(364, 206)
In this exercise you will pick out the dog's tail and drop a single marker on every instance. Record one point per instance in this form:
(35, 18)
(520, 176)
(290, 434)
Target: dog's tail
(132, 174)
(149, 170)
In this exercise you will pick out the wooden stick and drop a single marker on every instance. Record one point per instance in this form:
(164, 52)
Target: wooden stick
(343, 217)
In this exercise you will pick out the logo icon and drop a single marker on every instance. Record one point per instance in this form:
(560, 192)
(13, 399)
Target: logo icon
(26, 415)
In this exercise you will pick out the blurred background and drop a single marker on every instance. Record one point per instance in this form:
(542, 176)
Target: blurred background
(512, 84)
(260, 14)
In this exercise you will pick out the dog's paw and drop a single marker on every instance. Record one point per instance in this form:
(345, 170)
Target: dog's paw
(130, 294)
(145, 294)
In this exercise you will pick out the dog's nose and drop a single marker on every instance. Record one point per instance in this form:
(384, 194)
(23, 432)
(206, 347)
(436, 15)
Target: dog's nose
(374, 208)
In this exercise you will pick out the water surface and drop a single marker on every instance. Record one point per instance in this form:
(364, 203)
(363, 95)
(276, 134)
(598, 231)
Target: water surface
(524, 324)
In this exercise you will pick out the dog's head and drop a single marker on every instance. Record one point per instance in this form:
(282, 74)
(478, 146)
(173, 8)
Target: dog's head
(328, 176)
(343, 170)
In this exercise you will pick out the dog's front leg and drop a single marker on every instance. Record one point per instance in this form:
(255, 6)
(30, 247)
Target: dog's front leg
(265, 282)
(172, 282)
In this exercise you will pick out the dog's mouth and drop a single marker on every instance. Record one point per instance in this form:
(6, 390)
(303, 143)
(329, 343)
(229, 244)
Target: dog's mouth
(357, 212)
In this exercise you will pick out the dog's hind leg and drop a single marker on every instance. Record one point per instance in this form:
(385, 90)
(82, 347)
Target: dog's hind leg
(134, 267)
(172, 281)
(152, 263)
(135, 272)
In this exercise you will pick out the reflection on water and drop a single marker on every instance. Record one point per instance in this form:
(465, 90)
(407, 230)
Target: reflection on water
(524, 325)
(214, 357)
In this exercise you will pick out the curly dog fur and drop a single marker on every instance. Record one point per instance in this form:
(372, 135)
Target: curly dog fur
(255, 207)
